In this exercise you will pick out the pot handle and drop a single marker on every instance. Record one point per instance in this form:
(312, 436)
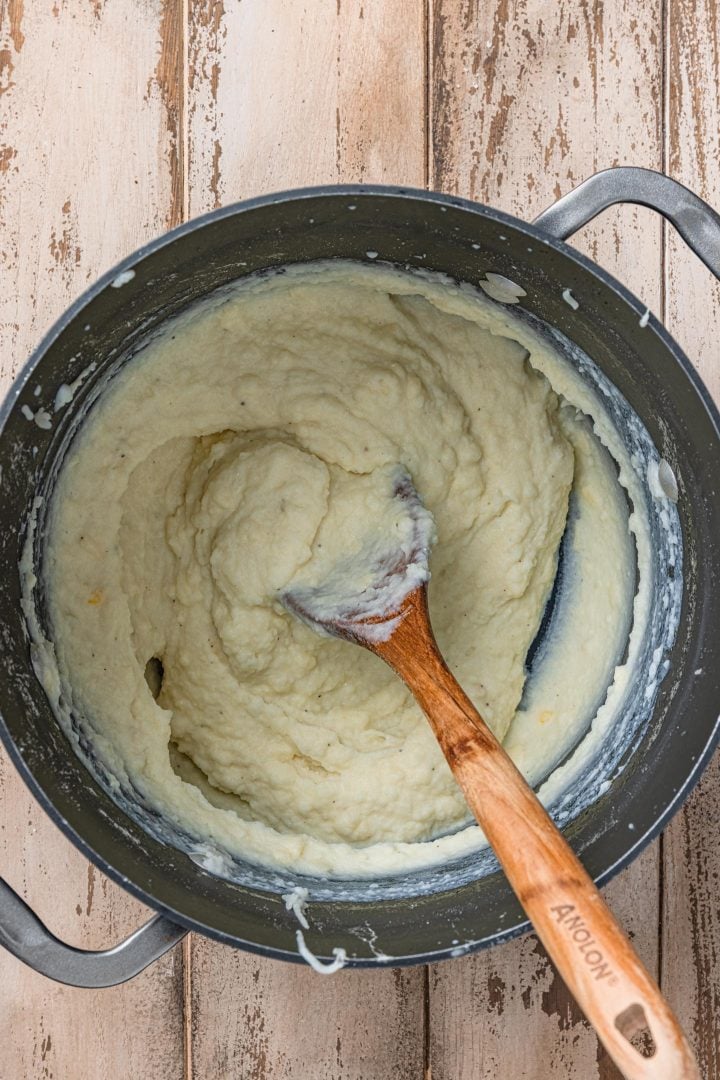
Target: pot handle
(697, 223)
(22, 934)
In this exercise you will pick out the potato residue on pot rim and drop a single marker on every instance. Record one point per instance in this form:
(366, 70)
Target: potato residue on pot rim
(231, 449)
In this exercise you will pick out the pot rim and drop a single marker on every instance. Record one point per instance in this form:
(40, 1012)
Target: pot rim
(130, 262)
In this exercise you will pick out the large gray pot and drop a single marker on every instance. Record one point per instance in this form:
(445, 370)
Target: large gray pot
(464, 906)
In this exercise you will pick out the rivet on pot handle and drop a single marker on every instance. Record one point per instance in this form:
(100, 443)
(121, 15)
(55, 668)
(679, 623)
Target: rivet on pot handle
(22, 933)
(697, 223)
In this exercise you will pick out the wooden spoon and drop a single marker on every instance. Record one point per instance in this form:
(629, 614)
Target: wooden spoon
(589, 949)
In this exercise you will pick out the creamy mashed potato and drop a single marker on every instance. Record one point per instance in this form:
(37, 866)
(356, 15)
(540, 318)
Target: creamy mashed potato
(250, 437)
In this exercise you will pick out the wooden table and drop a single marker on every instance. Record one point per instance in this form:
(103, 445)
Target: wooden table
(121, 118)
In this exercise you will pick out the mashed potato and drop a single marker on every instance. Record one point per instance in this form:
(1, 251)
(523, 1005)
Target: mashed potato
(248, 438)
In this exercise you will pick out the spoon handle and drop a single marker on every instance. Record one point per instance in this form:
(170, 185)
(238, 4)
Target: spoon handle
(589, 949)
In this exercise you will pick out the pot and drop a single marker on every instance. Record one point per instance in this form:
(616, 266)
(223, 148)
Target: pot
(422, 917)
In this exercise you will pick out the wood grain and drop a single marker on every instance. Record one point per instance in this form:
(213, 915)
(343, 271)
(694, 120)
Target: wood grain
(526, 100)
(88, 170)
(506, 1012)
(283, 94)
(267, 1020)
(691, 899)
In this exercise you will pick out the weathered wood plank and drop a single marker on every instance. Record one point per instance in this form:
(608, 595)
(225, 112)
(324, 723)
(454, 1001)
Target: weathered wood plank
(507, 1013)
(90, 166)
(691, 920)
(691, 909)
(693, 156)
(267, 1020)
(284, 94)
(528, 99)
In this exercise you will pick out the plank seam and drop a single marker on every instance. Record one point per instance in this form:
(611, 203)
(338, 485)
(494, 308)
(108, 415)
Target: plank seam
(187, 1008)
(427, 1067)
(185, 108)
(427, 28)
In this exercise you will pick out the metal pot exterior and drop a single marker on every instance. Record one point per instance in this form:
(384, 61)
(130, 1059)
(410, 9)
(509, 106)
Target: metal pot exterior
(465, 241)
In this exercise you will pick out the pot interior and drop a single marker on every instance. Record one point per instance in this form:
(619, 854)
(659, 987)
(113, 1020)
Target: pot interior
(620, 800)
